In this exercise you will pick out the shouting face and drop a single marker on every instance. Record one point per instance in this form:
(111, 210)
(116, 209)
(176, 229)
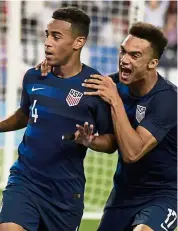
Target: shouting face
(134, 58)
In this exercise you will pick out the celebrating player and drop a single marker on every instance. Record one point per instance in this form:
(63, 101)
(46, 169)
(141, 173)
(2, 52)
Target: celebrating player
(144, 113)
(45, 188)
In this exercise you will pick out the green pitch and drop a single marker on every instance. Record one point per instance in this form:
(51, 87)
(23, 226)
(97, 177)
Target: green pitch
(89, 225)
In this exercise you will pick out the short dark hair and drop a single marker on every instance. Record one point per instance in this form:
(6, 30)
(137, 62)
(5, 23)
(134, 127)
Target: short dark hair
(152, 34)
(79, 20)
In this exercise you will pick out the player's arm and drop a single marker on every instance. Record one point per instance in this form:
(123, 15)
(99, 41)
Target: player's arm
(104, 143)
(15, 122)
(160, 118)
(100, 143)
(134, 144)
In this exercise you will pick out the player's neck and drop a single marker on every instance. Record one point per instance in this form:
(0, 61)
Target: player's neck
(68, 70)
(144, 86)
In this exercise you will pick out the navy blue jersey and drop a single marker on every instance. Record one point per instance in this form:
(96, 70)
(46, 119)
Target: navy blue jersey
(53, 166)
(156, 173)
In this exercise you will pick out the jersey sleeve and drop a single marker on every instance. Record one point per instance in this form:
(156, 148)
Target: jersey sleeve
(25, 98)
(162, 115)
(104, 123)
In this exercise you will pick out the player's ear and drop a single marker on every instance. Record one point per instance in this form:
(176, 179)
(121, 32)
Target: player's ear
(153, 64)
(79, 42)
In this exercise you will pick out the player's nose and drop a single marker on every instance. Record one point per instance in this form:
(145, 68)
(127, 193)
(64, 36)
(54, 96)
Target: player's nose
(47, 42)
(125, 59)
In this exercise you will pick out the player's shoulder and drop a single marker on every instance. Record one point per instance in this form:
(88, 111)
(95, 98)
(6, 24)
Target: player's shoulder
(115, 77)
(123, 89)
(163, 96)
(171, 87)
(165, 84)
(33, 71)
(90, 70)
(165, 89)
(31, 75)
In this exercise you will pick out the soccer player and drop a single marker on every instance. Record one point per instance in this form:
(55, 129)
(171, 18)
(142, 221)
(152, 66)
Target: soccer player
(45, 189)
(144, 114)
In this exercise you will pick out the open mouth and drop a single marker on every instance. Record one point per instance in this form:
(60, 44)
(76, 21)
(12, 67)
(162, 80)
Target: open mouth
(125, 72)
(48, 54)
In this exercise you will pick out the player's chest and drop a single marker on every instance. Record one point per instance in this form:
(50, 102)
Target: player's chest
(136, 111)
(66, 98)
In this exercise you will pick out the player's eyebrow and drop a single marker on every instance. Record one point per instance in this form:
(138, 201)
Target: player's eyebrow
(131, 52)
(53, 32)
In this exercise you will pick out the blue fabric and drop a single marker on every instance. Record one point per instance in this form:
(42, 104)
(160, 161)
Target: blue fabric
(155, 173)
(155, 213)
(54, 167)
(34, 213)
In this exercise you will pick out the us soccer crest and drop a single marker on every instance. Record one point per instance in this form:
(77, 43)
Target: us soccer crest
(140, 113)
(73, 97)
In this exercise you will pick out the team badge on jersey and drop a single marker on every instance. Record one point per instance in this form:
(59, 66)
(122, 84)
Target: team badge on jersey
(73, 97)
(140, 113)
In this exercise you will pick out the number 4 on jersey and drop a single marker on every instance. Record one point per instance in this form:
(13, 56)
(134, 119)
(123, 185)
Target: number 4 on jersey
(34, 111)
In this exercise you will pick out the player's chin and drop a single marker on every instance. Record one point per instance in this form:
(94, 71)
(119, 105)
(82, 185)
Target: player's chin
(51, 62)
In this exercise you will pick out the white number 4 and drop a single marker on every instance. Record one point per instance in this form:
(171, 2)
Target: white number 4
(34, 111)
(168, 222)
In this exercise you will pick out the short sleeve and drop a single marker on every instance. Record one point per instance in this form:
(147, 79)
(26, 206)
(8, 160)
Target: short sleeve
(25, 98)
(161, 116)
(104, 123)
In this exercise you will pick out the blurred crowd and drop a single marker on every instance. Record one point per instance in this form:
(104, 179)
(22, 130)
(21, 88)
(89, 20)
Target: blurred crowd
(164, 15)
(109, 26)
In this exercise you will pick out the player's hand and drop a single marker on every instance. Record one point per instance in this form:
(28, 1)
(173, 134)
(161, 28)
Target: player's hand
(104, 86)
(45, 68)
(84, 135)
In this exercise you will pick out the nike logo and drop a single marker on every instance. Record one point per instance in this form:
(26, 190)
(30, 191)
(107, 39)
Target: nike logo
(36, 89)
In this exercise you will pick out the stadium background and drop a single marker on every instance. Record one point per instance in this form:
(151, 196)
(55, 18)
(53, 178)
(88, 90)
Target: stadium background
(110, 22)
